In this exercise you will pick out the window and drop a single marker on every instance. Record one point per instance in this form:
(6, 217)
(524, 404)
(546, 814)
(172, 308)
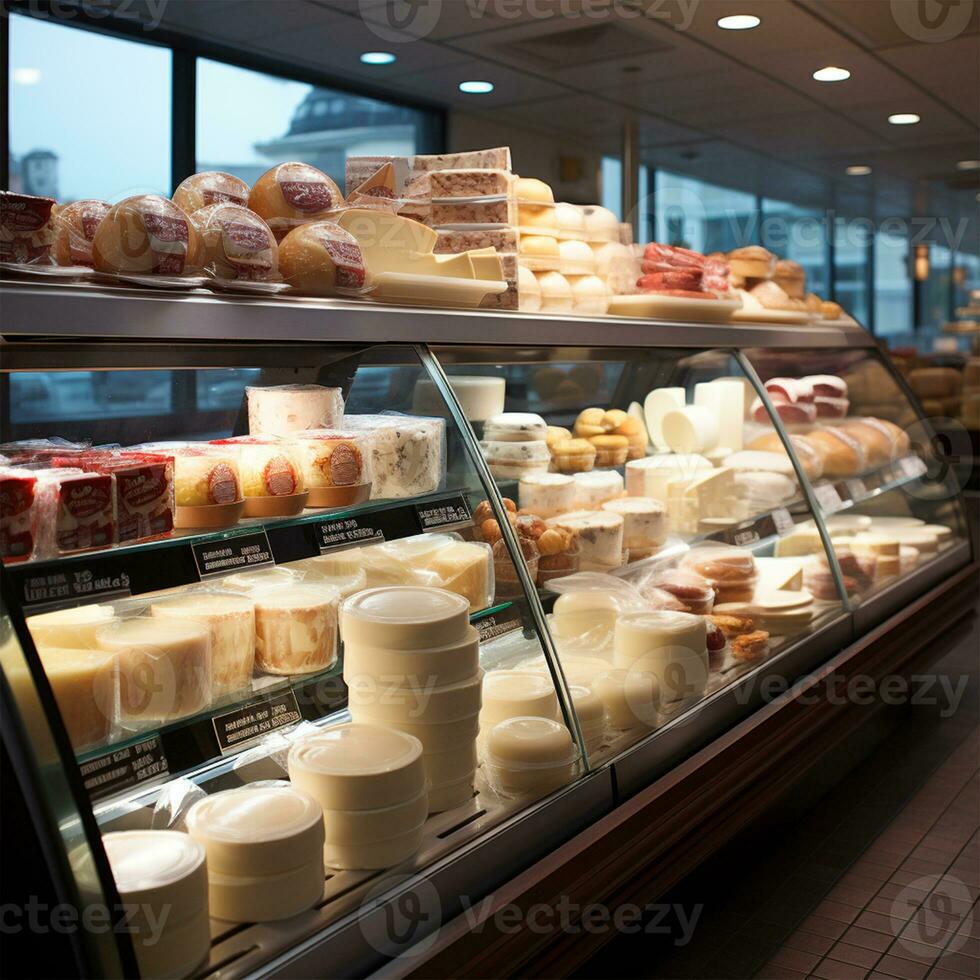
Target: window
(936, 289)
(611, 182)
(966, 278)
(851, 239)
(248, 121)
(893, 286)
(113, 143)
(702, 216)
(798, 234)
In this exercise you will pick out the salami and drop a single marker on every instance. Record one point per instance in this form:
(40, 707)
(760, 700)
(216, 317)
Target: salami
(689, 279)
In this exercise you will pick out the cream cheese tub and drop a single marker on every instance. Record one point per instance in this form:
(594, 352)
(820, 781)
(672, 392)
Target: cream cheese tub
(631, 698)
(375, 855)
(516, 693)
(529, 756)
(452, 663)
(266, 898)
(366, 826)
(404, 618)
(358, 767)
(434, 737)
(422, 702)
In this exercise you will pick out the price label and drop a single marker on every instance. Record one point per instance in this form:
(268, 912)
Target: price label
(783, 520)
(346, 532)
(67, 588)
(913, 467)
(855, 489)
(450, 513)
(253, 720)
(125, 768)
(497, 622)
(244, 552)
(828, 497)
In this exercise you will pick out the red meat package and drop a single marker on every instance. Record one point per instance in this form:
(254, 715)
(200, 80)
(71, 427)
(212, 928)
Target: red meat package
(18, 515)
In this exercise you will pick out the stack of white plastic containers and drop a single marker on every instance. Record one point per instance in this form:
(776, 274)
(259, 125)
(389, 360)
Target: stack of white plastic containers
(412, 663)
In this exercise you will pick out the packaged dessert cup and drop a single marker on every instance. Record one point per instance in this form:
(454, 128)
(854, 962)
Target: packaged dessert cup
(208, 487)
(272, 477)
(336, 466)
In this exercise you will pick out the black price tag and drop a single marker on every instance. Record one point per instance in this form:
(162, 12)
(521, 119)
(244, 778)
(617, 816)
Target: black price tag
(497, 622)
(66, 588)
(238, 554)
(346, 532)
(452, 512)
(255, 719)
(122, 769)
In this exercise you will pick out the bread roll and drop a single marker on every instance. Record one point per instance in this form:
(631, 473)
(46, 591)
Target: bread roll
(211, 187)
(320, 258)
(809, 455)
(293, 194)
(877, 440)
(791, 276)
(146, 234)
(843, 455)
(236, 243)
(751, 262)
(75, 226)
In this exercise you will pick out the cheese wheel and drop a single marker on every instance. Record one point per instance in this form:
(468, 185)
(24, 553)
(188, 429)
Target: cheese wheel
(644, 521)
(293, 194)
(209, 188)
(230, 619)
(546, 494)
(296, 629)
(691, 429)
(516, 693)
(358, 767)
(146, 234)
(594, 488)
(84, 686)
(285, 409)
(75, 226)
(74, 628)
(578, 613)
(657, 637)
(404, 618)
(236, 244)
(258, 830)
(320, 259)
(515, 427)
(600, 535)
(164, 667)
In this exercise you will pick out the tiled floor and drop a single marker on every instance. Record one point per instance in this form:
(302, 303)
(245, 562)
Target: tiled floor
(874, 875)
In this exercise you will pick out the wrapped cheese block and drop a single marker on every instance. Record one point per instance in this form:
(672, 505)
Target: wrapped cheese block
(293, 194)
(408, 453)
(285, 409)
(144, 495)
(236, 244)
(18, 515)
(146, 234)
(75, 225)
(70, 628)
(162, 877)
(230, 619)
(209, 188)
(530, 757)
(323, 259)
(26, 228)
(208, 486)
(600, 537)
(336, 466)
(296, 629)
(272, 475)
(84, 686)
(164, 668)
(644, 523)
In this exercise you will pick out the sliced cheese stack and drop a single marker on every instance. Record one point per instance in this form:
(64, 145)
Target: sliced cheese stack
(296, 628)
(670, 645)
(370, 783)
(264, 847)
(411, 661)
(162, 876)
(164, 668)
(230, 619)
(529, 757)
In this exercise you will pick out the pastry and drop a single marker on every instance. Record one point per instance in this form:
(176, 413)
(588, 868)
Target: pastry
(750, 646)
(814, 304)
(555, 434)
(573, 455)
(791, 277)
(610, 450)
(901, 441)
(730, 624)
(691, 589)
(772, 296)
(831, 311)
(731, 572)
(592, 422)
(752, 262)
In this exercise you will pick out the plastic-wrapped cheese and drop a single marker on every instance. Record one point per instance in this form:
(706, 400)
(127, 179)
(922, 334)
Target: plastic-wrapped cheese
(268, 467)
(336, 465)
(453, 662)
(408, 453)
(84, 685)
(205, 476)
(404, 618)
(75, 225)
(230, 619)
(286, 409)
(296, 629)
(529, 756)
(600, 535)
(236, 244)
(209, 188)
(322, 259)
(293, 194)
(70, 628)
(164, 667)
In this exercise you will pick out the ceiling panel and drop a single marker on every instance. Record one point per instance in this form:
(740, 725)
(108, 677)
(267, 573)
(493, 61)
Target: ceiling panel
(785, 26)
(876, 25)
(243, 20)
(936, 121)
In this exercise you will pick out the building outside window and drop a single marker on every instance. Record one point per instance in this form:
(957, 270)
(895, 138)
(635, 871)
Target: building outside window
(62, 148)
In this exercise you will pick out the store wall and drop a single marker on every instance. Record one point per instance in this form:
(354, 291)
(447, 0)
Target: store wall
(535, 154)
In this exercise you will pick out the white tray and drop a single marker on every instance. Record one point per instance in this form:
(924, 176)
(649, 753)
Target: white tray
(772, 316)
(435, 291)
(31, 271)
(664, 307)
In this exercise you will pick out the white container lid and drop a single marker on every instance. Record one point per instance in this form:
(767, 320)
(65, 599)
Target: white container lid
(358, 767)
(517, 693)
(404, 617)
(530, 743)
(158, 868)
(257, 830)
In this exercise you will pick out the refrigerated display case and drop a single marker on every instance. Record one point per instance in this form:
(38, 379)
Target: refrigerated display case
(591, 594)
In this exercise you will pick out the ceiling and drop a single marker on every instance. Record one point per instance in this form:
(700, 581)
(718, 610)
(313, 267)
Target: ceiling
(734, 107)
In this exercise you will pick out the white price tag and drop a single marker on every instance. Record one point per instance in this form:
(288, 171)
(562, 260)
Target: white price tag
(828, 497)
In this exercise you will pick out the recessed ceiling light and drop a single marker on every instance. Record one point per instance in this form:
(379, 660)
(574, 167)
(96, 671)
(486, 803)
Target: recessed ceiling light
(831, 74)
(476, 87)
(739, 22)
(378, 58)
(859, 171)
(968, 165)
(27, 76)
(903, 118)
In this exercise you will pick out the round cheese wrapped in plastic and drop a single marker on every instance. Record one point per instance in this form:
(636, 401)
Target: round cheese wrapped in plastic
(146, 234)
(322, 259)
(75, 226)
(236, 243)
(211, 187)
(293, 194)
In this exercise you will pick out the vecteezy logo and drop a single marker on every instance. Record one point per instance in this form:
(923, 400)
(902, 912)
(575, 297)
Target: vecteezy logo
(400, 20)
(939, 918)
(405, 924)
(932, 21)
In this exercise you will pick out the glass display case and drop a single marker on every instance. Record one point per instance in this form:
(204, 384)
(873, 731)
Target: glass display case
(238, 549)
